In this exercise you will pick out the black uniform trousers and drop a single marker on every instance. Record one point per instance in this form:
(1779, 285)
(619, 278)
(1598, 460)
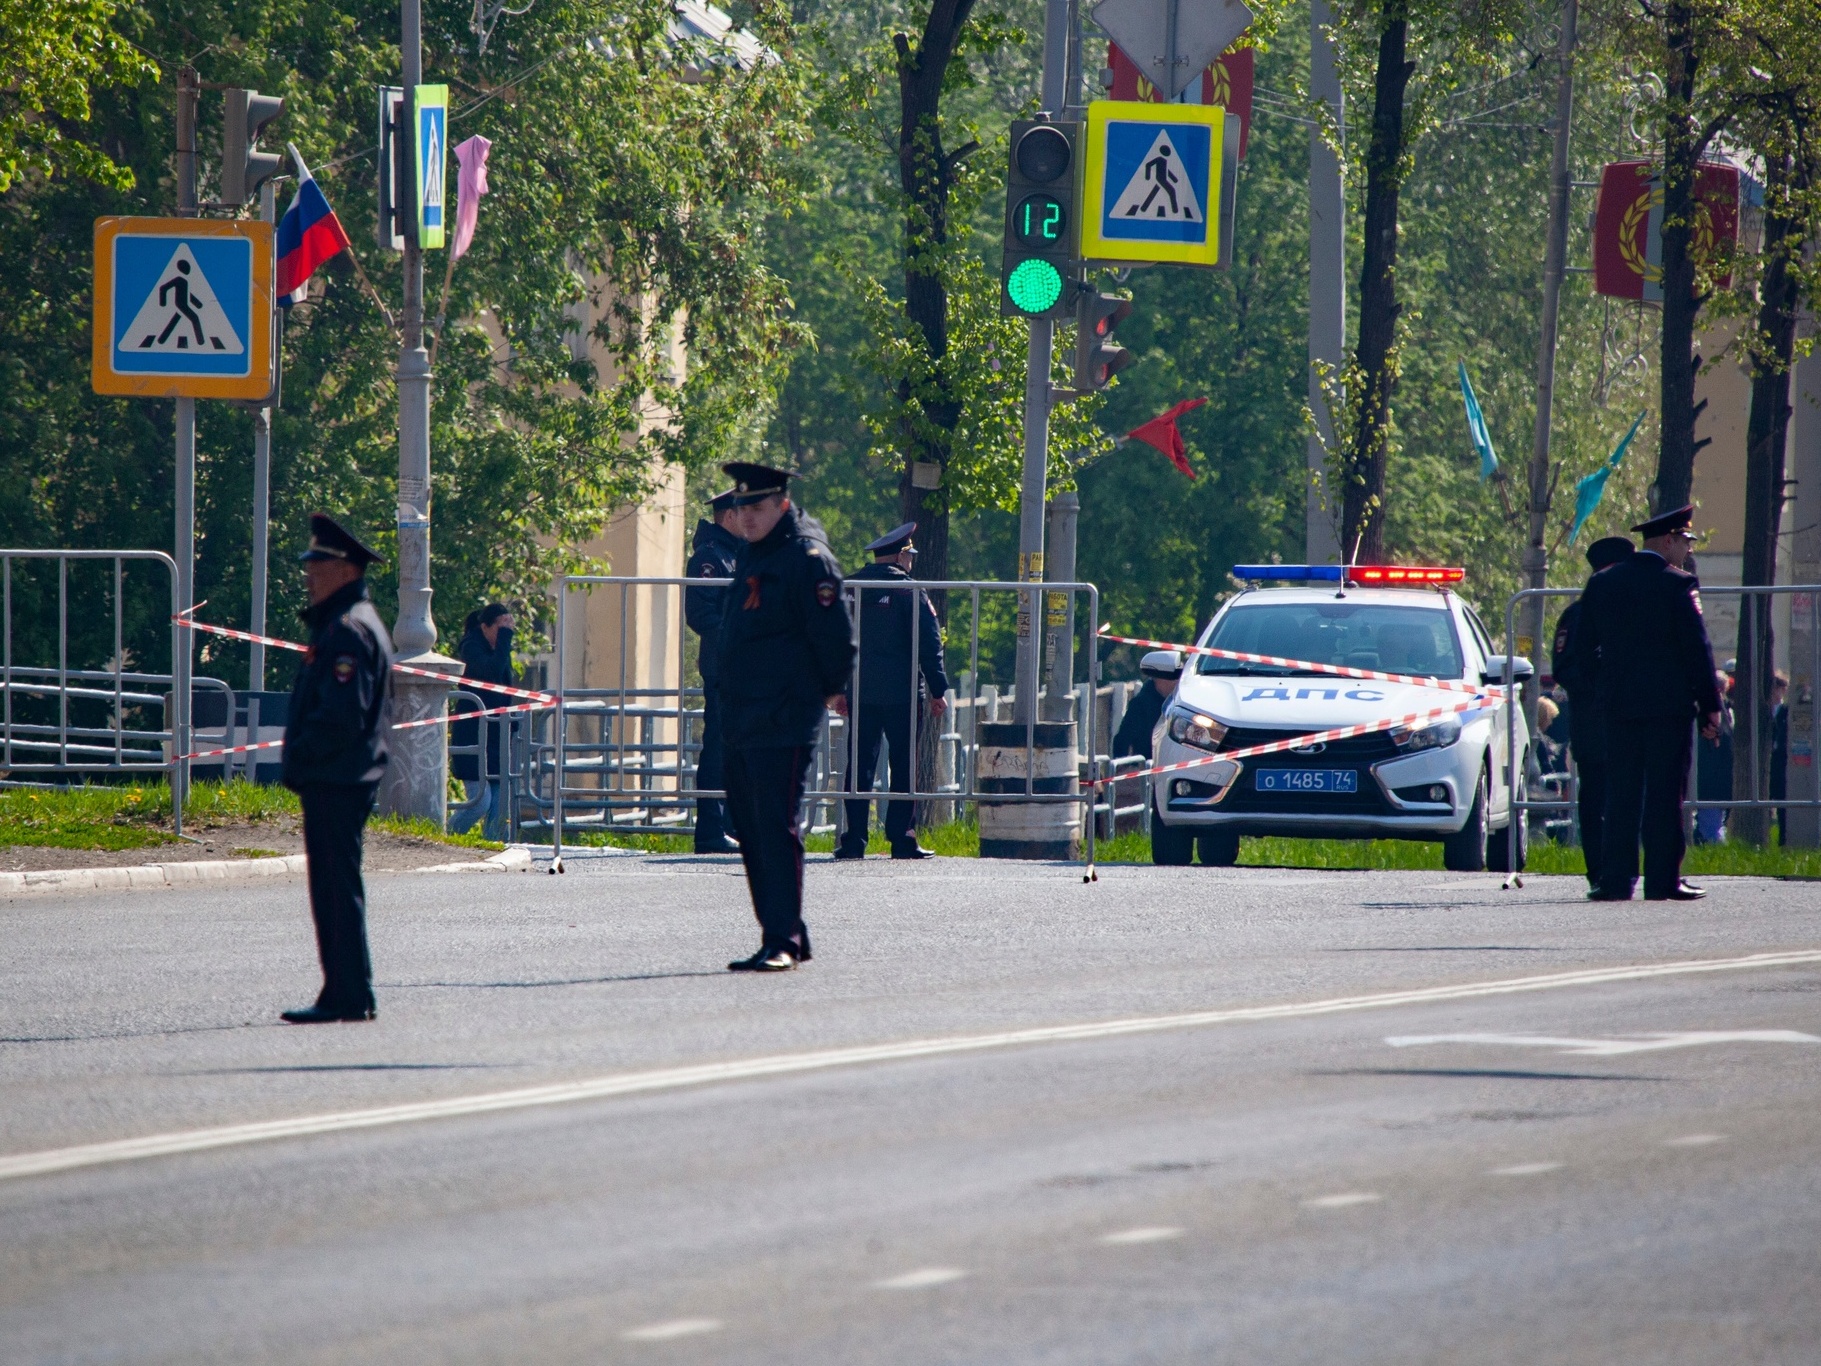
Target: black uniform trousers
(874, 723)
(765, 799)
(334, 824)
(1646, 780)
(1590, 791)
(711, 769)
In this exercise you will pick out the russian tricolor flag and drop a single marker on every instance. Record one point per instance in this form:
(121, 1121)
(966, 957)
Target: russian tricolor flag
(308, 235)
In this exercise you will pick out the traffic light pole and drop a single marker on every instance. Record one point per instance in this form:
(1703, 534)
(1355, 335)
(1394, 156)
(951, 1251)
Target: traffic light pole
(189, 95)
(1037, 410)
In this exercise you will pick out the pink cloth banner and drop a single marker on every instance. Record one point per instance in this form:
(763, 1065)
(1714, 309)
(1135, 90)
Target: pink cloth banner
(471, 156)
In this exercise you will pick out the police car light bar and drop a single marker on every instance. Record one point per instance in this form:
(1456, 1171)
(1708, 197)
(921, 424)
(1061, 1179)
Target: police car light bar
(1380, 574)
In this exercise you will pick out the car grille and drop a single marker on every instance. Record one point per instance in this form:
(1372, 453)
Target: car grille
(1357, 749)
(1358, 752)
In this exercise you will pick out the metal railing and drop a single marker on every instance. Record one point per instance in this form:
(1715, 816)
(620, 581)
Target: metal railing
(35, 748)
(1803, 597)
(634, 764)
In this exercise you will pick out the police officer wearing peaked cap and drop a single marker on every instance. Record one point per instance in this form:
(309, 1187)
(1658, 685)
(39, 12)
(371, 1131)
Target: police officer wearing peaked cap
(712, 556)
(1641, 639)
(888, 692)
(1586, 720)
(334, 755)
(786, 646)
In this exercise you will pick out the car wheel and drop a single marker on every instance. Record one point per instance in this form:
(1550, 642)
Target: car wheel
(1498, 846)
(1218, 848)
(1465, 851)
(1171, 846)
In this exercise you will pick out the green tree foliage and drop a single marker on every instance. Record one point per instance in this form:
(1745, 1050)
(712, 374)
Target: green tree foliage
(53, 53)
(631, 176)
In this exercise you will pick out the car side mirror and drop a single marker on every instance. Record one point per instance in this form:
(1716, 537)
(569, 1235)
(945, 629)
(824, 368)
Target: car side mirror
(1162, 663)
(1522, 670)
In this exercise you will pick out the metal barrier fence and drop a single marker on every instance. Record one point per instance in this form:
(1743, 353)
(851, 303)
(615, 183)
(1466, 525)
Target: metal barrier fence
(1805, 624)
(625, 757)
(97, 711)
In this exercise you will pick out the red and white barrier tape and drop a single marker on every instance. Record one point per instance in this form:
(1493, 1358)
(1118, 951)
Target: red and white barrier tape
(543, 699)
(1301, 741)
(234, 749)
(1309, 666)
(231, 634)
(473, 715)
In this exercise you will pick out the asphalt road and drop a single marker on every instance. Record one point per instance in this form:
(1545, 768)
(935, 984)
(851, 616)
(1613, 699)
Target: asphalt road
(1318, 1136)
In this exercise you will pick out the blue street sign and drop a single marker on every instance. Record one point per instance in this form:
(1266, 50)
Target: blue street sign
(1153, 182)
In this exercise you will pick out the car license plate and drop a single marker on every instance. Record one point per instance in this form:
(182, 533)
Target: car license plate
(1308, 780)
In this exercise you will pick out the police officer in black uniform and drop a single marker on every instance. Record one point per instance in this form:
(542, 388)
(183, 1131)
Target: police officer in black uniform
(1641, 639)
(712, 556)
(888, 692)
(1145, 709)
(335, 751)
(1586, 722)
(786, 646)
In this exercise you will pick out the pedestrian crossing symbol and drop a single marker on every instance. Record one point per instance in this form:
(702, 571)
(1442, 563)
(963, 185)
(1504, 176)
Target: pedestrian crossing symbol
(183, 308)
(1153, 182)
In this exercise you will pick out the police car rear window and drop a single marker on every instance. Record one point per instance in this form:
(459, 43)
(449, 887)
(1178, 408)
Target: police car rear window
(1395, 639)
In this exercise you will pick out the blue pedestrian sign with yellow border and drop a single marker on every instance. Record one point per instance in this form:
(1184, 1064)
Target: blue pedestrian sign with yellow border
(430, 119)
(1153, 189)
(183, 308)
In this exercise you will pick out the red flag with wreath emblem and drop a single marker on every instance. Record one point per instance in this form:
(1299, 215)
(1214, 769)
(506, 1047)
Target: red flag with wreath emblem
(1628, 226)
(1228, 83)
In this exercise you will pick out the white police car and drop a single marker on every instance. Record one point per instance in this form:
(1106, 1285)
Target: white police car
(1446, 780)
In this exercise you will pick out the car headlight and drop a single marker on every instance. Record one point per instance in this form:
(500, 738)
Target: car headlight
(1193, 728)
(1435, 735)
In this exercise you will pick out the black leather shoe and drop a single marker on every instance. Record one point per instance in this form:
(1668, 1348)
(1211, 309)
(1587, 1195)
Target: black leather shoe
(1605, 894)
(765, 960)
(1684, 891)
(843, 851)
(321, 1014)
(912, 850)
(720, 844)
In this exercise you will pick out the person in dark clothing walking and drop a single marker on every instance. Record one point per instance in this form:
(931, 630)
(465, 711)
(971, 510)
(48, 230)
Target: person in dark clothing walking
(1641, 639)
(1160, 669)
(785, 648)
(712, 556)
(335, 753)
(486, 651)
(888, 692)
(1586, 722)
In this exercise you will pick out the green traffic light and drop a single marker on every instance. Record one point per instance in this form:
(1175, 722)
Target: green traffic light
(1034, 286)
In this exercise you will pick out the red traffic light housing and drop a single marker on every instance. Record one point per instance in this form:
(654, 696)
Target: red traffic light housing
(1097, 357)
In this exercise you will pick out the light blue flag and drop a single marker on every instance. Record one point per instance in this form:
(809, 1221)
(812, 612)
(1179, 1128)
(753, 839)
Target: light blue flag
(1589, 491)
(1476, 428)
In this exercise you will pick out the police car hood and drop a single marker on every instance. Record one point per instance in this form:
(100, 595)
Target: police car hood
(1306, 702)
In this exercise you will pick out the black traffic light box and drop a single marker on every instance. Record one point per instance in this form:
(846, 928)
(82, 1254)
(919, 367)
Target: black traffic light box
(1042, 226)
(1097, 357)
(244, 168)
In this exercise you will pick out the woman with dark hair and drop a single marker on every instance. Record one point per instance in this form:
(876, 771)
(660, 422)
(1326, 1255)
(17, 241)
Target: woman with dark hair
(486, 649)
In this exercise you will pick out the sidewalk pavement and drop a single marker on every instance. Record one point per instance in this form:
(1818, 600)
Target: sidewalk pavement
(513, 859)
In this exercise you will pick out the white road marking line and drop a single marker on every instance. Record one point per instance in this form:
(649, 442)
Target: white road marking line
(1528, 1169)
(1694, 1140)
(1127, 1237)
(921, 1279)
(790, 1064)
(1612, 1048)
(675, 1328)
(1343, 1200)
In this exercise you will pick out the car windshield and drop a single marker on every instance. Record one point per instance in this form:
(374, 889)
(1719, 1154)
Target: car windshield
(1387, 637)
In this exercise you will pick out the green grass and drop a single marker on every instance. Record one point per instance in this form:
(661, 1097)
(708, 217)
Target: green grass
(416, 827)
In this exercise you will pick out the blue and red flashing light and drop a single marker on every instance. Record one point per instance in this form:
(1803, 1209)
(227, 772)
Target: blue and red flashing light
(1364, 575)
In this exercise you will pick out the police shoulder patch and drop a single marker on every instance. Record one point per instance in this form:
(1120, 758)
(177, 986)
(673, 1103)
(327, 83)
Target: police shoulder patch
(826, 591)
(344, 668)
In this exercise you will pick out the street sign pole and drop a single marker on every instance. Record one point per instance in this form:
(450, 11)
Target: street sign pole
(262, 518)
(189, 94)
(1327, 286)
(1037, 410)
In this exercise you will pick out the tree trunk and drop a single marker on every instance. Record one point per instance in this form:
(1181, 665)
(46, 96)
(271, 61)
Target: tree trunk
(1681, 155)
(1363, 504)
(925, 175)
(1766, 437)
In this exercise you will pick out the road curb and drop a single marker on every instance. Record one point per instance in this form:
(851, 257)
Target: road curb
(514, 858)
(148, 875)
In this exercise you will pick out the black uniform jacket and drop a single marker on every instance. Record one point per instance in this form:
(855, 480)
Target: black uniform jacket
(1586, 722)
(485, 664)
(786, 643)
(1140, 720)
(341, 702)
(712, 556)
(1640, 638)
(885, 639)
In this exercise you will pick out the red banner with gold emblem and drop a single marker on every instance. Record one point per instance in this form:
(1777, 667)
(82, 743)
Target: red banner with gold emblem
(1628, 226)
(1228, 83)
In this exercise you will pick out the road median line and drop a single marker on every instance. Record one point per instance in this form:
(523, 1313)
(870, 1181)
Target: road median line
(49, 1161)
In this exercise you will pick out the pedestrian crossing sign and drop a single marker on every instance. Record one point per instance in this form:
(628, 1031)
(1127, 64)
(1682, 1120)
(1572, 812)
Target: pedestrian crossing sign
(430, 119)
(1153, 182)
(183, 308)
